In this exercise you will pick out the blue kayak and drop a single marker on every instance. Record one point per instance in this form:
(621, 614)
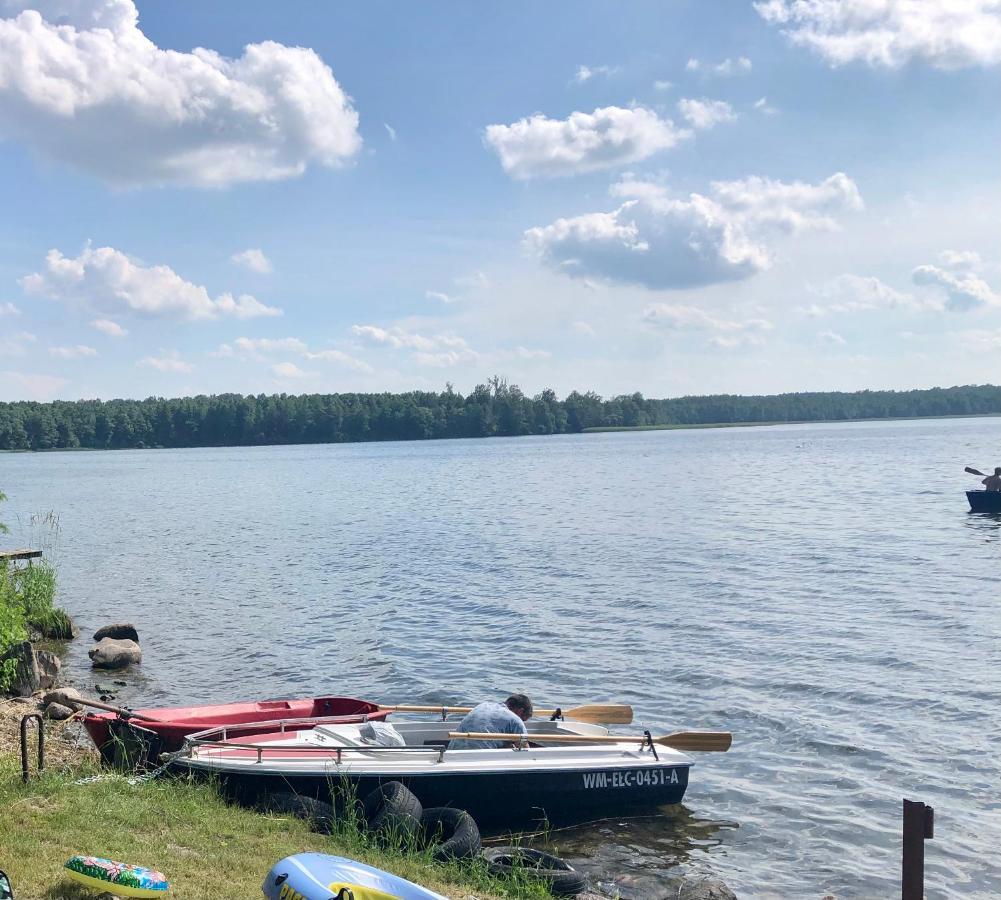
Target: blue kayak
(317, 876)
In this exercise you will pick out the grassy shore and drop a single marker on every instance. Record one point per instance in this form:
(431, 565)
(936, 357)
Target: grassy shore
(208, 849)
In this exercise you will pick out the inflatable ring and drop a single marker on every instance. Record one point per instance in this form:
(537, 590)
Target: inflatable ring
(115, 877)
(316, 876)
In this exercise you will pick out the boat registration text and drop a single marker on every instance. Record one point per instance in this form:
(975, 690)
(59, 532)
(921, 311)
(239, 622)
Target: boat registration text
(628, 778)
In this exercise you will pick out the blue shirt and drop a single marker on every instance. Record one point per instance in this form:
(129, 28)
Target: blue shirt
(491, 717)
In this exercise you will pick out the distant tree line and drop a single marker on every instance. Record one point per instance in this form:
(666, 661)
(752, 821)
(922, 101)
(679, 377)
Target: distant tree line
(492, 409)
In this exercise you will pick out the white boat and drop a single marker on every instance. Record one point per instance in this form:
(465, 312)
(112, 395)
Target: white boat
(525, 781)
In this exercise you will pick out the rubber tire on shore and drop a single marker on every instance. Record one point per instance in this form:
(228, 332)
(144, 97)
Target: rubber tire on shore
(450, 833)
(563, 879)
(320, 815)
(392, 809)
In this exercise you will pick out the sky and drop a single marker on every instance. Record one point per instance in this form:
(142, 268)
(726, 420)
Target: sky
(672, 197)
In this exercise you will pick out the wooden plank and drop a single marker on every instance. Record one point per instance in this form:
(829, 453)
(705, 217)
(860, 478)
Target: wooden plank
(20, 554)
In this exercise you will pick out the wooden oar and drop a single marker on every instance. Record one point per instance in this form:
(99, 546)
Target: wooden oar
(120, 710)
(974, 472)
(706, 741)
(594, 713)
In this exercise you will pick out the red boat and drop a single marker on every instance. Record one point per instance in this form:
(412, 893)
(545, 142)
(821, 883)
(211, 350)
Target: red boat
(173, 723)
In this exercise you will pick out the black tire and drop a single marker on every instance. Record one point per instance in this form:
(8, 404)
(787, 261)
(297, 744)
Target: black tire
(563, 879)
(320, 815)
(391, 809)
(450, 833)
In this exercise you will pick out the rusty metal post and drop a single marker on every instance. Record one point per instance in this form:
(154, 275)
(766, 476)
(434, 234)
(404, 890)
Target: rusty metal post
(25, 768)
(919, 826)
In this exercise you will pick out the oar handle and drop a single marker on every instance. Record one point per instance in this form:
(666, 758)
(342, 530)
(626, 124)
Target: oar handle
(119, 710)
(703, 741)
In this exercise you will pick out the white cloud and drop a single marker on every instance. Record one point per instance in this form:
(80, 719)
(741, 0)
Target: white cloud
(30, 386)
(400, 338)
(288, 370)
(438, 296)
(106, 326)
(257, 347)
(260, 349)
(106, 279)
(253, 259)
(664, 242)
(850, 293)
(15, 343)
(438, 350)
(390, 130)
(80, 82)
(727, 67)
(583, 328)
(526, 353)
(960, 260)
(9, 309)
(704, 113)
(983, 341)
(586, 73)
(948, 34)
(342, 358)
(77, 351)
(831, 337)
(765, 108)
(726, 333)
(963, 292)
(583, 142)
(167, 362)
(663, 85)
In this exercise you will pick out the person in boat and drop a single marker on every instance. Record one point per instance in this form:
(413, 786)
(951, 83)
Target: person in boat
(508, 717)
(993, 482)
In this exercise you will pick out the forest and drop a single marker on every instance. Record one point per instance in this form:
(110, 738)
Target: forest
(495, 409)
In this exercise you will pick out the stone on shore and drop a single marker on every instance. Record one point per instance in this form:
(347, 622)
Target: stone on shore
(57, 711)
(48, 668)
(27, 678)
(705, 889)
(115, 654)
(121, 632)
(64, 697)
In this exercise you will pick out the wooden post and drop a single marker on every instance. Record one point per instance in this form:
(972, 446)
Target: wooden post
(919, 825)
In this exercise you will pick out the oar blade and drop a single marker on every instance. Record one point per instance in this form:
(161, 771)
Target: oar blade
(698, 741)
(973, 471)
(602, 714)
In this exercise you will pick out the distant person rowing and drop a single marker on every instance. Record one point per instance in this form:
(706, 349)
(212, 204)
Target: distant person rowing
(993, 482)
(494, 718)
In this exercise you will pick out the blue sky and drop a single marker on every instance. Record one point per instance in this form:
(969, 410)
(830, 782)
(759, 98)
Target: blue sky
(671, 197)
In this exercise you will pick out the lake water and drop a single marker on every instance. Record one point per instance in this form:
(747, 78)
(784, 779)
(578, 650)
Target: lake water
(820, 590)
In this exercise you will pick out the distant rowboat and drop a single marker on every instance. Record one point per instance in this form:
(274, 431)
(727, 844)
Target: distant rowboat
(984, 501)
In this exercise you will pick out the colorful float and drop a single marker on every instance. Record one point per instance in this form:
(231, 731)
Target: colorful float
(118, 878)
(317, 876)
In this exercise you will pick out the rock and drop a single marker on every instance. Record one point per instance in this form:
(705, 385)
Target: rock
(115, 654)
(118, 632)
(705, 889)
(57, 711)
(48, 668)
(63, 697)
(27, 678)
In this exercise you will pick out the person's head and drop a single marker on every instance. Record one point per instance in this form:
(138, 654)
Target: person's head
(520, 705)
(997, 471)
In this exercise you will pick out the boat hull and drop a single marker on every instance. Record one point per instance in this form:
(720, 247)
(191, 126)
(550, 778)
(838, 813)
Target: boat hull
(177, 722)
(984, 501)
(494, 799)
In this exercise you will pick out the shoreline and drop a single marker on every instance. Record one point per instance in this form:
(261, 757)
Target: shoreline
(596, 429)
(600, 429)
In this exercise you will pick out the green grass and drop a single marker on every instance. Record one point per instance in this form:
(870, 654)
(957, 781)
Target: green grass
(208, 850)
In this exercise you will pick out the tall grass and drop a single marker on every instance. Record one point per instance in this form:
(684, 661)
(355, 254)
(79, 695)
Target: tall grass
(27, 595)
